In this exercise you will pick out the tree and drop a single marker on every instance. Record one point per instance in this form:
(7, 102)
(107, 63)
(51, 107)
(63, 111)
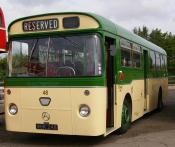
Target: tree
(3, 68)
(143, 32)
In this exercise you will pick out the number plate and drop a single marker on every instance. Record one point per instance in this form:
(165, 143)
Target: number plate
(47, 126)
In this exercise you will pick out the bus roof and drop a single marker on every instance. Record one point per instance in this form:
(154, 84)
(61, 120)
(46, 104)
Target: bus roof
(105, 25)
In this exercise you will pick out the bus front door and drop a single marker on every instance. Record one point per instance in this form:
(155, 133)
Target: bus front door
(145, 56)
(110, 49)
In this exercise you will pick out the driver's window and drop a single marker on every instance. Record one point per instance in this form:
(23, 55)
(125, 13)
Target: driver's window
(20, 57)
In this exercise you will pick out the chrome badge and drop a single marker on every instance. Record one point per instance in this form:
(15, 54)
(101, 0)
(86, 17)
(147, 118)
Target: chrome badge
(45, 101)
(45, 116)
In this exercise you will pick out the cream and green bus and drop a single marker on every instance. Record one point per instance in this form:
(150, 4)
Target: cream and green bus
(80, 74)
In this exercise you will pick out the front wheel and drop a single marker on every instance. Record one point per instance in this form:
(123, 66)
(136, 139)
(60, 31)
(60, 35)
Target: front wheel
(126, 117)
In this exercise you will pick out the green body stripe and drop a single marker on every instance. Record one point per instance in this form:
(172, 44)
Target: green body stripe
(89, 81)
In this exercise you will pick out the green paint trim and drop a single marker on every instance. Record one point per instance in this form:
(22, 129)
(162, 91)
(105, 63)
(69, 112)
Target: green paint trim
(85, 81)
(56, 87)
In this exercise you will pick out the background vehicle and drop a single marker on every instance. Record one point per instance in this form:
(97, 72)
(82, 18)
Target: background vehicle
(2, 32)
(3, 62)
(80, 74)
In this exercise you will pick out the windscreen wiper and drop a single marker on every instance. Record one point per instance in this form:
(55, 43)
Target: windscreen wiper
(32, 50)
(74, 44)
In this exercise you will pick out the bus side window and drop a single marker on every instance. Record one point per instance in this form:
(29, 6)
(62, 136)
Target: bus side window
(162, 62)
(153, 60)
(158, 64)
(165, 63)
(125, 53)
(136, 52)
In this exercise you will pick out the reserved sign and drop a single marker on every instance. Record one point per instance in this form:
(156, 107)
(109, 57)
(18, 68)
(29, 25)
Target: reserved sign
(40, 25)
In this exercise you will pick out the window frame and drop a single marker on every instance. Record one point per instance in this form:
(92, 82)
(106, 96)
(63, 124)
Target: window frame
(137, 49)
(126, 45)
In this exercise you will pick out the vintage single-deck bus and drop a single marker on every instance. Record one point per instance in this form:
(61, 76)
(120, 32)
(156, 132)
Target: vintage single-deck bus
(2, 33)
(80, 74)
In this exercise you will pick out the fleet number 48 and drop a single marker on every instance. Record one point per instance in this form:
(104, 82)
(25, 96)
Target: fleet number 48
(45, 92)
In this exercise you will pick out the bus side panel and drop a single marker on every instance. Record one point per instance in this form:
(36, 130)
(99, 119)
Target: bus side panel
(165, 88)
(153, 88)
(118, 106)
(136, 90)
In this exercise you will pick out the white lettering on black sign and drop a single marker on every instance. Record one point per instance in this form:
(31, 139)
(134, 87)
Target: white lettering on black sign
(40, 25)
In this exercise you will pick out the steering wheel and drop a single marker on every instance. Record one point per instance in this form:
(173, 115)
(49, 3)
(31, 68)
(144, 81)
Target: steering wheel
(67, 68)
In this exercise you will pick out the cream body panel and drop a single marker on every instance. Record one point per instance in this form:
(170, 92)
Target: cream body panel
(65, 106)
(136, 91)
(153, 89)
(96, 122)
(13, 122)
(60, 98)
(86, 22)
(63, 110)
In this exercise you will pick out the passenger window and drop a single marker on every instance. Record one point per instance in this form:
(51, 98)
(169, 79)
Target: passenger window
(158, 64)
(165, 62)
(162, 62)
(125, 53)
(136, 56)
(152, 60)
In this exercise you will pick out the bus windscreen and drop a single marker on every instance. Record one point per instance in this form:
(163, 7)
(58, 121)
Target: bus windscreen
(63, 56)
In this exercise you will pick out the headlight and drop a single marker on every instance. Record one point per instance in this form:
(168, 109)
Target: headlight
(13, 109)
(84, 110)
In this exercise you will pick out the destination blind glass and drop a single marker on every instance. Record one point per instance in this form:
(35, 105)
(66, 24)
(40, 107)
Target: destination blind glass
(40, 25)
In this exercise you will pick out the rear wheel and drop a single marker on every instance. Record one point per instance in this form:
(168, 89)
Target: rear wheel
(160, 101)
(126, 117)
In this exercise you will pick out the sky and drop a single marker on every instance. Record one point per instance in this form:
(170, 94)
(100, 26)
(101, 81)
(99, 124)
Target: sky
(127, 13)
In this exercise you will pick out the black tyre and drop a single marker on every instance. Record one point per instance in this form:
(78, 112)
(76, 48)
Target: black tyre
(160, 101)
(126, 117)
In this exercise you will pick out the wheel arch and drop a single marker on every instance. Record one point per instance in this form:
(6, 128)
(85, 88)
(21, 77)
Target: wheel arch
(123, 128)
(128, 98)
